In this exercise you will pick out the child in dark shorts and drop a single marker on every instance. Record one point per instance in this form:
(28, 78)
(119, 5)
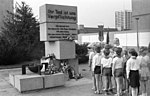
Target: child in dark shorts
(106, 70)
(117, 70)
(97, 70)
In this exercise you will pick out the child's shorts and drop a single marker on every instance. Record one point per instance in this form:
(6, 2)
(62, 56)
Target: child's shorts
(118, 72)
(97, 70)
(107, 71)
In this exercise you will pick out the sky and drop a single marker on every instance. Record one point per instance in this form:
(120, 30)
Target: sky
(91, 13)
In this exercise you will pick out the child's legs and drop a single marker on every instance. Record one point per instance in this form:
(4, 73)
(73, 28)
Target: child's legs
(94, 80)
(109, 82)
(121, 83)
(134, 91)
(105, 82)
(118, 85)
(113, 81)
(144, 87)
(124, 82)
(97, 81)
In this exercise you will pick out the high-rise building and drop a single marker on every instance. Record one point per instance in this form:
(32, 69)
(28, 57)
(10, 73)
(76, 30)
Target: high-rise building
(4, 6)
(123, 19)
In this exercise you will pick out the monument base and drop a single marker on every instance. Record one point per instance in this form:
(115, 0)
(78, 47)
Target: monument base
(34, 81)
(54, 80)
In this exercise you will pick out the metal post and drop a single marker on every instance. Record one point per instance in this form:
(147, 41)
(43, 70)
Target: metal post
(137, 34)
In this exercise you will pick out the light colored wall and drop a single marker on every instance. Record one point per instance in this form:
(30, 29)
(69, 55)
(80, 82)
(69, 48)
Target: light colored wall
(127, 38)
(5, 5)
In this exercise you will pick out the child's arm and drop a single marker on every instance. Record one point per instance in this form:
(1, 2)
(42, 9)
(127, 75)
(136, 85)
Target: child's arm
(101, 65)
(113, 66)
(101, 69)
(90, 60)
(128, 68)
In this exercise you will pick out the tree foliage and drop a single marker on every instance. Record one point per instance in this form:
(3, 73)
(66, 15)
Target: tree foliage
(20, 34)
(149, 47)
(82, 51)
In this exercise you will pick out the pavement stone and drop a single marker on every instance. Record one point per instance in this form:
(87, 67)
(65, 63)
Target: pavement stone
(81, 87)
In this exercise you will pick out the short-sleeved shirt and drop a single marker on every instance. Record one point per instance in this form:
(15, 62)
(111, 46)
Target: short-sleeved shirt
(96, 60)
(132, 64)
(91, 55)
(106, 62)
(118, 62)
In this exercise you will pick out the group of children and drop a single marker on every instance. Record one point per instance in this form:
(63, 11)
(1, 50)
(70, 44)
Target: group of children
(117, 68)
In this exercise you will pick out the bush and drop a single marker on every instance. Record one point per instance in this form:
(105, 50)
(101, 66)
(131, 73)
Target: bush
(82, 51)
(149, 47)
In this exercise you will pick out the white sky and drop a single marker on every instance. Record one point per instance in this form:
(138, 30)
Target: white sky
(90, 12)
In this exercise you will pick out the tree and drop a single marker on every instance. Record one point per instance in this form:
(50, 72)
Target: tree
(149, 47)
(21, 32)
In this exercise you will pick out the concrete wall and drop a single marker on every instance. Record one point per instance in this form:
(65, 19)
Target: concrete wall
(5, 5)
(127, 38)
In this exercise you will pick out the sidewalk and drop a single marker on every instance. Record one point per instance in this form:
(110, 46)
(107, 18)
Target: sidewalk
(81, 87)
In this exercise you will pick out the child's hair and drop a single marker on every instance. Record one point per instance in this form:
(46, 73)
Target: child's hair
(142, 49)
(106, 52)
(107, 46)
(125, 52)
(133, 52)
(98, 49)
(118, 51)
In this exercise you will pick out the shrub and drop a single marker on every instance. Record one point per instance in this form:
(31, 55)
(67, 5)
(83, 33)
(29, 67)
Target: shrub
(82, 51)
(149, 47)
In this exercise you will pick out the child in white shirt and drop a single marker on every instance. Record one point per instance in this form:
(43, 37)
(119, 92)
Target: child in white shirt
(97, 70)
(106, 67)
(117, 70)
(132, 71)
(144, 70)
(91, 66)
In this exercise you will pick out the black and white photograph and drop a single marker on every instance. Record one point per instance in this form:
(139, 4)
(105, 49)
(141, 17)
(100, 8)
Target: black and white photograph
(74, 47)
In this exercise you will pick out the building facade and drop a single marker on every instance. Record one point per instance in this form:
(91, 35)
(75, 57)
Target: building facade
(123, 19)
(4, 6)
(141, 10)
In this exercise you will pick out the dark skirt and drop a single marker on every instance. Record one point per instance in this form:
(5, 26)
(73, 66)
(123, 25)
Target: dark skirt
(107, 71)
(118, 72)
(134, 78)
(97, 70)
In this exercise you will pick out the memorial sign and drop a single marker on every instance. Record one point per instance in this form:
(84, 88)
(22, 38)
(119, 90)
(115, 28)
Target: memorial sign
(58, 22)
(58, 31)
(58, 13)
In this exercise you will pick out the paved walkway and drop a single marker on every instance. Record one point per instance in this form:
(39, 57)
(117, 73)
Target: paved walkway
(81, 87)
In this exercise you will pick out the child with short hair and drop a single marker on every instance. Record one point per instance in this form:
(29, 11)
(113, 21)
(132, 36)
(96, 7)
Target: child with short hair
(117, 70)
(144, 70)
(106, 70)
(132, 71)
(91, 66)
(125, 59)
(97, 69)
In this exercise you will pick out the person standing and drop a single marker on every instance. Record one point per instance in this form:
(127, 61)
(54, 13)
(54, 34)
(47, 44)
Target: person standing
(132, 71)
(97, 70)
(91, 66)
(117, 70)
(106, 71)
(125, 81)
(144, 70)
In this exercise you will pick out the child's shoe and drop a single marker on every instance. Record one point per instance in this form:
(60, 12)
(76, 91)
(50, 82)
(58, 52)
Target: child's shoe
(97, 92)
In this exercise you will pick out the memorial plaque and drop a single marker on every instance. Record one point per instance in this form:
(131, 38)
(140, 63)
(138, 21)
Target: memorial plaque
(57, 31)
(58, 13)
